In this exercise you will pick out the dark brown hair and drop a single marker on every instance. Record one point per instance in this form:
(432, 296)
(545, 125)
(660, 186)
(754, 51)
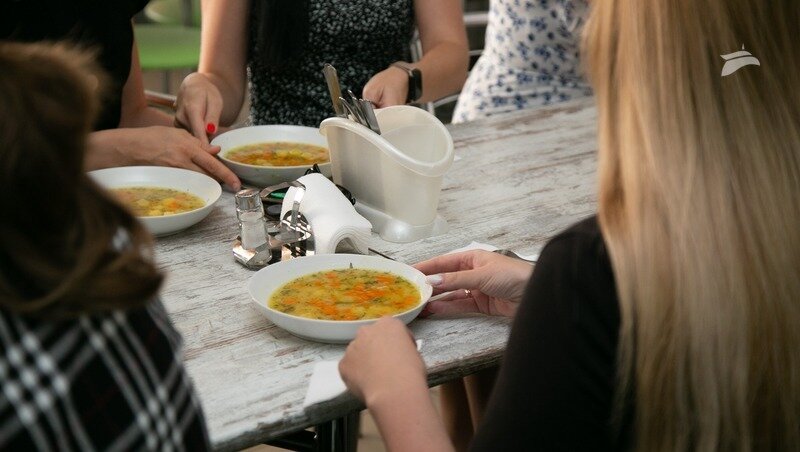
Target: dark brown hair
(66, 248)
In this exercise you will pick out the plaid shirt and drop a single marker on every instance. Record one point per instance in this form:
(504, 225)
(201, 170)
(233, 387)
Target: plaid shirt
(111, 381)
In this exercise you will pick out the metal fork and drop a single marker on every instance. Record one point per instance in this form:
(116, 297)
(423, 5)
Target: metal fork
(510, 253)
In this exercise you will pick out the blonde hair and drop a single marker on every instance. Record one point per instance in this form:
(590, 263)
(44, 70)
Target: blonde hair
(698, 203)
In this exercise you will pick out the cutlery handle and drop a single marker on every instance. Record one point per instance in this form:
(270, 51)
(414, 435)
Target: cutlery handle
(369, 114)
(335, 90)
(350, 110)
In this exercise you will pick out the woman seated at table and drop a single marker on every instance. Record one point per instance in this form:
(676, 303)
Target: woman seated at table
(127, 131)
(282, 46)
(669, 322)
(88, 357)
(530, 59)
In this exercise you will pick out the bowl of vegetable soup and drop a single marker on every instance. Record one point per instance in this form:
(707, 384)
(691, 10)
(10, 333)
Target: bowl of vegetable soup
(269, 155)
(166, 200)
(327, 297)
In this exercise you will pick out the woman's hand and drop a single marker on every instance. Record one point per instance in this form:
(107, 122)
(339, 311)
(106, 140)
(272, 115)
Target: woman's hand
(386, 88)
(199, 106)
(383, 368)
(479, 281)
(157, 145)
(381, 361)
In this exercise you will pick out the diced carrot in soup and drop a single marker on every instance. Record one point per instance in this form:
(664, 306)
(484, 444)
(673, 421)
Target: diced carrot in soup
(346, 294)
(156, 201)
(279, 153)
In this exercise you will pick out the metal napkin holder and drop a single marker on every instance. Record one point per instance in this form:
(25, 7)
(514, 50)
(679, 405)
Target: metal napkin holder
(287, 238)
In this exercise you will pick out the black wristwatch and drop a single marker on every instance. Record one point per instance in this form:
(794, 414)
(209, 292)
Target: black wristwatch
(414, 81)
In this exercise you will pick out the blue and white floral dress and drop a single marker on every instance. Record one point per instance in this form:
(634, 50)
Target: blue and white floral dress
(530, 58)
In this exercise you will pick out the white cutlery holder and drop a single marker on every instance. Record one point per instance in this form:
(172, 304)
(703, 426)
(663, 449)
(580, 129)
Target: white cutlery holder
(396, 177)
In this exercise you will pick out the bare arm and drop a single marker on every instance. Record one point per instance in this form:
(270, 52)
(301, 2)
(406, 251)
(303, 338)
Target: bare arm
(445, 58)
(408, 420)
(214, 95)
(145, 136)
(444, 62)
(383, 368)
(135, 111)
(109, 148)
(223, 52)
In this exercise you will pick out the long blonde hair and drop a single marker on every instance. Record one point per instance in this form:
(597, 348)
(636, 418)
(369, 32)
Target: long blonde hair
(699, 204)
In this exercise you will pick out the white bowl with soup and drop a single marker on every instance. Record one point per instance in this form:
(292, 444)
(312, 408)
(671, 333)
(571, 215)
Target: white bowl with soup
(166, 200)
(269, 155)
(321, 298)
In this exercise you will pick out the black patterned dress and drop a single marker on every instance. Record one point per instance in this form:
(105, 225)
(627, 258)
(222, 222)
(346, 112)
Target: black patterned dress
(358, 37)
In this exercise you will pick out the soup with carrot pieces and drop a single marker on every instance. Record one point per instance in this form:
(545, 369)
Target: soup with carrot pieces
(346, 294)
(279, 153)
(156, 201)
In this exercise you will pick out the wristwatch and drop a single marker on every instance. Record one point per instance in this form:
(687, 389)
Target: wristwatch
(414, 80)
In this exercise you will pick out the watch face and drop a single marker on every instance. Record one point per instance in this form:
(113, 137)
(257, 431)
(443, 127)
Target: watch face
(415, 81)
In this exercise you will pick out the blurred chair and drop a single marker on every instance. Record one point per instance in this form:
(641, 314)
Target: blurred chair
(167, 48)
(172, 41)
(161, 100)
(443, 107)
(174, 12)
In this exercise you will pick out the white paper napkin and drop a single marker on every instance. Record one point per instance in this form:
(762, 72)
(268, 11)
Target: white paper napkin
(485, 246)
(332, 217)
(326, 382)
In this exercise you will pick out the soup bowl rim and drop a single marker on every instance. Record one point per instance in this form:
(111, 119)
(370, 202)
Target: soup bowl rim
(341, 331)
(218, 192)
(162, 177)
(173, 215)
(224, 156)
(267, 128)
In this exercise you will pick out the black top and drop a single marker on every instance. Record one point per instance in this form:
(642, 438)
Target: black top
(556, 386)
(103, 25)
(358, 37)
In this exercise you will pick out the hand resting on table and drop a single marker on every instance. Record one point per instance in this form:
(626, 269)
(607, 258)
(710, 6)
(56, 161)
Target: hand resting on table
(479, 281)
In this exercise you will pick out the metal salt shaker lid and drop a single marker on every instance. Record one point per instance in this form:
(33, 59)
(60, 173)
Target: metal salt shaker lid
(248, 200)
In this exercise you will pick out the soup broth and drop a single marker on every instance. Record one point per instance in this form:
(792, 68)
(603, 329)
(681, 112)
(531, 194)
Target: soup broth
(156, 201)
(346, 294)
(281, 153)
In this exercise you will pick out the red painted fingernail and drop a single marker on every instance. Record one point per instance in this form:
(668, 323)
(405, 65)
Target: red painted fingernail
(211, 128)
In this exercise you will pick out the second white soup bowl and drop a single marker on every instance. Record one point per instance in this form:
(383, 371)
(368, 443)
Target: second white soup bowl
(193, 182)
(264, 176)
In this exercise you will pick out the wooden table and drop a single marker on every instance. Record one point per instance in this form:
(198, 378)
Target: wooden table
(517, 181)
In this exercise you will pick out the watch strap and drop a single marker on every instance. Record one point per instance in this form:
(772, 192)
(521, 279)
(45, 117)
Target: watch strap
(414, 80)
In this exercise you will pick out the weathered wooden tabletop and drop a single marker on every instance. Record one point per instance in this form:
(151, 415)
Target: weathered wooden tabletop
(517, 181)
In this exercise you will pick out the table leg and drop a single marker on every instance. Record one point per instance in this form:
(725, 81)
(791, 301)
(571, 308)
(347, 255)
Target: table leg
(302, 441)
(339, 435)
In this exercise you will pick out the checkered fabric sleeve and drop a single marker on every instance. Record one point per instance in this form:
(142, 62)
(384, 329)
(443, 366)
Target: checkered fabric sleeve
(99, 382)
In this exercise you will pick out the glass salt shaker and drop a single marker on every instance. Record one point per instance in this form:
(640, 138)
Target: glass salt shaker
(252, 225)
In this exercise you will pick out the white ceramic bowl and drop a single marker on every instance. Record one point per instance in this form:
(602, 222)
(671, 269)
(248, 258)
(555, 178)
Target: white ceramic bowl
(264, 282)
(264, 176)
(193, 182)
